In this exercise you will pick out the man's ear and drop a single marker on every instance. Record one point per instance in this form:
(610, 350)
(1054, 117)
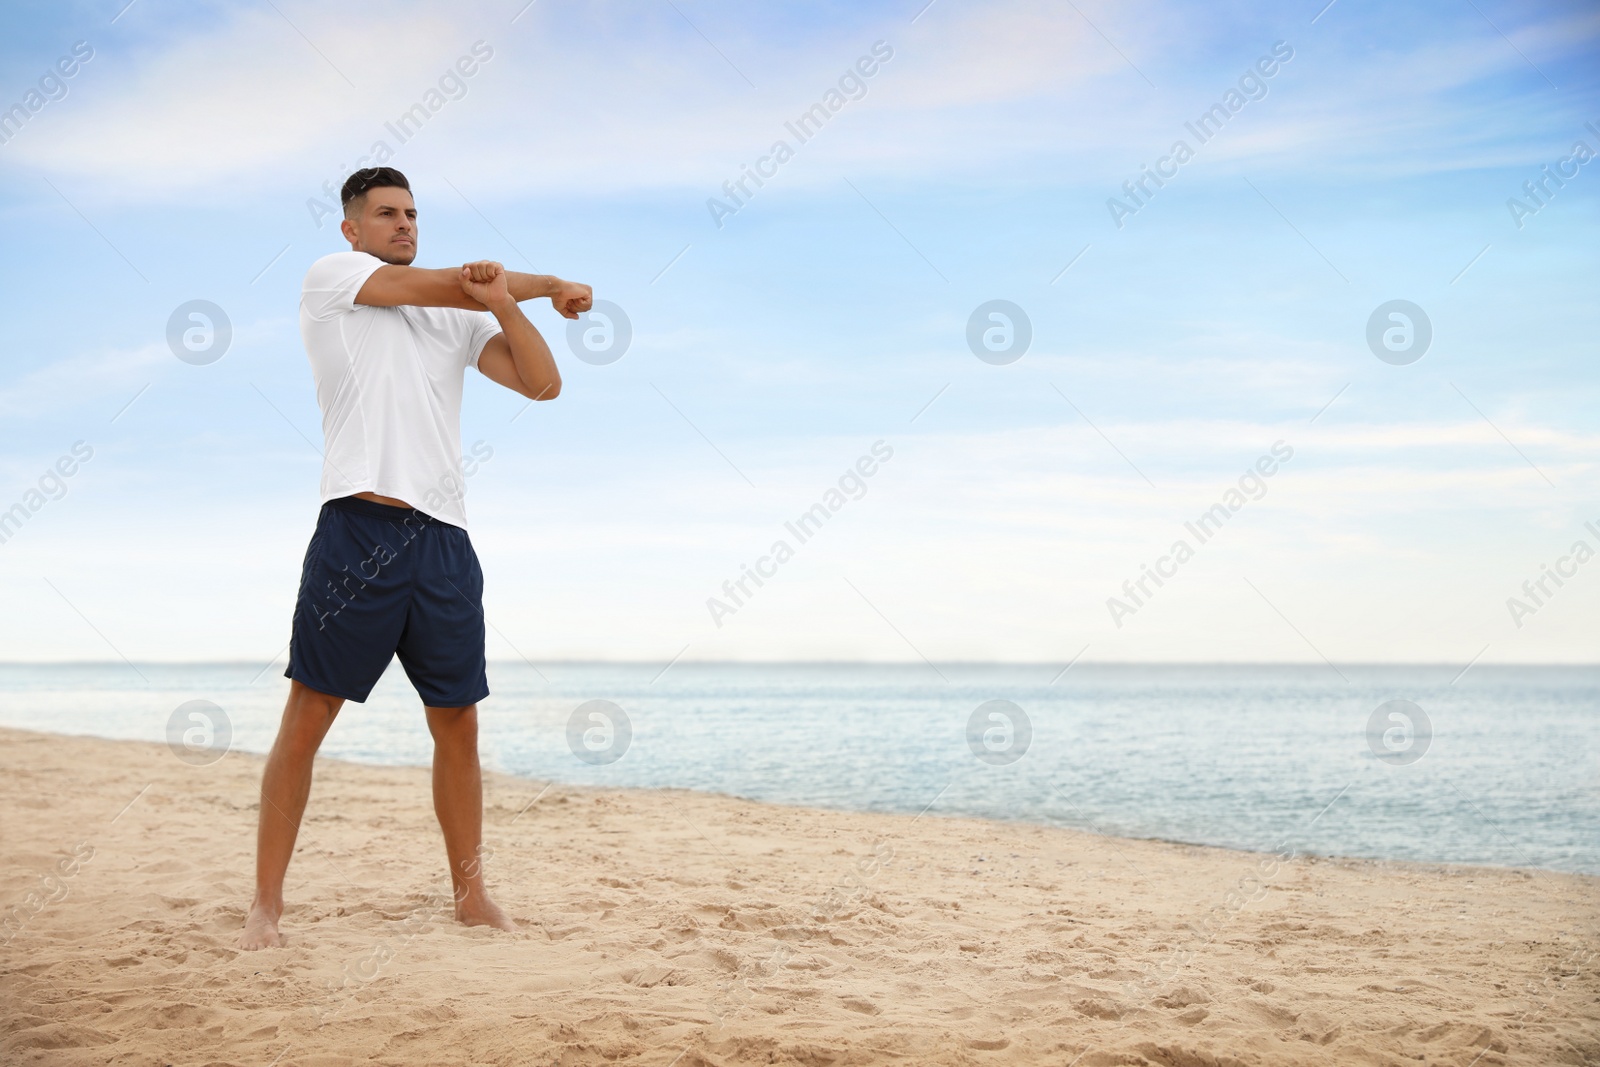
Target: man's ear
(348, 228)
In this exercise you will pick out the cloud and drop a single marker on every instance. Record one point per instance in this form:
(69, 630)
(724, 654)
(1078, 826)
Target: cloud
(69, 380)
(595, 101)
(65, 382)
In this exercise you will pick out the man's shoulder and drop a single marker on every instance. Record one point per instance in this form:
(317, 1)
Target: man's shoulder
(332, 284)
(337, 264)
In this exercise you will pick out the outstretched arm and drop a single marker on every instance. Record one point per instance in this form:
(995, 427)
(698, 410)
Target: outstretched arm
(516, 357)
(392, 285)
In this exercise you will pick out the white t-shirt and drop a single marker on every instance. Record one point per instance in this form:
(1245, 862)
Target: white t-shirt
(389, 384)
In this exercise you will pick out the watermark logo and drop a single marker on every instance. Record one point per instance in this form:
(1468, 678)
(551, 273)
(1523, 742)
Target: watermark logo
(999, 332)
(1399, 332)
(852, 85)
(1541, 190)
(1399, 732)
(52, 888)
(51, 86)
(851, 485)
(600, 335)
(451, 85)
(599, 732)
(1538, 591)
(199, 733)
(999, 732)
(199, 332)
(1252, 485)
(1252, 85)
(52, 485)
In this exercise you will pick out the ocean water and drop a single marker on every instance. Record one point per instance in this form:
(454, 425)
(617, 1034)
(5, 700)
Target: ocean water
(1500, 765)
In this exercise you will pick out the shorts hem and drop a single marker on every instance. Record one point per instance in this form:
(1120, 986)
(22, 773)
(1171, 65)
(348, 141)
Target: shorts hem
(451, 703)
(328, 690)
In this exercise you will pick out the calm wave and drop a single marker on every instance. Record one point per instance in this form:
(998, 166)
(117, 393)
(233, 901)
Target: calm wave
(1248, 757)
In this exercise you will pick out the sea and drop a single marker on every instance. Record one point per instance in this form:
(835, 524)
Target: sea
(1496, 765)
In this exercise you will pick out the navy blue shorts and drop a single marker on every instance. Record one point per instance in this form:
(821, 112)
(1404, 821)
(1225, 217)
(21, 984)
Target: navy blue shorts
(379, 581)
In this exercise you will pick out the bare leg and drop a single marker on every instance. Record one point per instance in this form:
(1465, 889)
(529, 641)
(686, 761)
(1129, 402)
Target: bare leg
(458, 801)
(285, 786)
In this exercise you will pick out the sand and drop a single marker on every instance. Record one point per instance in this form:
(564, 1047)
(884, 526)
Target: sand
(676, 928)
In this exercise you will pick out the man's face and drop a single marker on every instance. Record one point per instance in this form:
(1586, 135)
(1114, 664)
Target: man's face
(386, 226)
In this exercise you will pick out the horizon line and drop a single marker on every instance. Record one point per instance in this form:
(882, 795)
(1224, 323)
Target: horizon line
(1319, 664)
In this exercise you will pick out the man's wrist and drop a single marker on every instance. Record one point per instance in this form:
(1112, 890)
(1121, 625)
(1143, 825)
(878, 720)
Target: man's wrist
(501, 306)
(533, 286)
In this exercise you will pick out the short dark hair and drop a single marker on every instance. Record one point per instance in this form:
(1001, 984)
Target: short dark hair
(356, 186)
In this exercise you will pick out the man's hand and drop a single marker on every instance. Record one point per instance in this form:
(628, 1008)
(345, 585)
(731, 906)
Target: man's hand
(483, 270)
(571, 299)
(485, 281)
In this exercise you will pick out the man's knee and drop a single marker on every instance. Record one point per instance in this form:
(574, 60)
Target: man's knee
(300, 737)
(306, 720)
(454, 725)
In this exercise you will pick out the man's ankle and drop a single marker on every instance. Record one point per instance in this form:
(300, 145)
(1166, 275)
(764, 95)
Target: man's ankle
(271, 904)
(471, 896)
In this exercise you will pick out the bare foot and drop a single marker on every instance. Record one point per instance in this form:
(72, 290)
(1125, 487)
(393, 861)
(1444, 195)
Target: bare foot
(479, 910)
(261, 928)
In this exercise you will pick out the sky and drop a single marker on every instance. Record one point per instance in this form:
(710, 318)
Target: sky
(1430, 460)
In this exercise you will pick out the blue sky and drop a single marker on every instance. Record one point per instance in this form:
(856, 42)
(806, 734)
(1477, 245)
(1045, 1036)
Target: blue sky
(1228, 314)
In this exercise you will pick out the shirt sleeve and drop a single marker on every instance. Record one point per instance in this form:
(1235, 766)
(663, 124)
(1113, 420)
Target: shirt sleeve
(333, 281)
(481, 327)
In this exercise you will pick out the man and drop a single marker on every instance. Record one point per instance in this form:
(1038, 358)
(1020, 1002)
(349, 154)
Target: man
(390, 569)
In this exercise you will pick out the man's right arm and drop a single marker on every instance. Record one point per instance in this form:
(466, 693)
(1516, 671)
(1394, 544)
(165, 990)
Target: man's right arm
(392, 285)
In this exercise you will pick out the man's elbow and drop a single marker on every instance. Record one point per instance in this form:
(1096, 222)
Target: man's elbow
(550, 391)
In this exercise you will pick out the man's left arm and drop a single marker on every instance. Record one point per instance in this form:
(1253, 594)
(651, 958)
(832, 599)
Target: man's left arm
(393, 285)
(517, 357)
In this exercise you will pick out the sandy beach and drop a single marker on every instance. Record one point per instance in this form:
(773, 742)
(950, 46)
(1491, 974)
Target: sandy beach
(676, 928)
